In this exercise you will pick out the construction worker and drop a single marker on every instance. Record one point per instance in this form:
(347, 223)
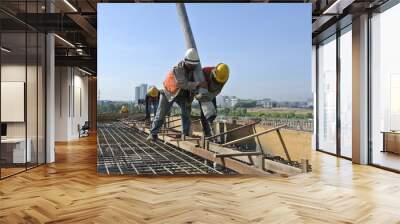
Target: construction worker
(216, 77)
(179, 86)
(152, 97)
(124, 110)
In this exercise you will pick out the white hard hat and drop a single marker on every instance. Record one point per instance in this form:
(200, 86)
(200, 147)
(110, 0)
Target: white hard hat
(191, 57)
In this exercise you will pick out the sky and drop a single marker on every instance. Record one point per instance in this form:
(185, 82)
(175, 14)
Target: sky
(266, 46)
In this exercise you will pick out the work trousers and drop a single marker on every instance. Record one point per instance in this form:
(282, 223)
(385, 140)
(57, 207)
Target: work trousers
(151, 107)
(207, 124)
(165, 107)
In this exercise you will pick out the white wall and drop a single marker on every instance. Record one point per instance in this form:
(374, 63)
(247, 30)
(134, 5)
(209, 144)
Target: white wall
(62, 82)
(12, 73)
(80, 110)
(71, 102)
(33, 126)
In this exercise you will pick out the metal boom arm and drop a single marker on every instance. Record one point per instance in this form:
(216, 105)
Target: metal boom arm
(207, 106)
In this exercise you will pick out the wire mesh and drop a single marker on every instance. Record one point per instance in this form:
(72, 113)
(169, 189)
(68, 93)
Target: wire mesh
(124, 150)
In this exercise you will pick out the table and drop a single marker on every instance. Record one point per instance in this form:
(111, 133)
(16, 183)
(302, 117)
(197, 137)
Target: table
(13, 150)
(391, 141)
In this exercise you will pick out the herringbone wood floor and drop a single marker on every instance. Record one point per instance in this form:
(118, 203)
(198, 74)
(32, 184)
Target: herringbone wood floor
(70, 191)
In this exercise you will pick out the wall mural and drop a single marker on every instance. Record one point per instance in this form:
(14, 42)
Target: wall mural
(203, 89)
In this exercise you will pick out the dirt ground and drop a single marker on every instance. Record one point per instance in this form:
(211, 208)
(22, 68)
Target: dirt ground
(298, 143)
(280, 110)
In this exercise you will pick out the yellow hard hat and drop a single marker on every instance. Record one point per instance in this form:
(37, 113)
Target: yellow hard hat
(221, 73)
(153, 91)
(124, 109)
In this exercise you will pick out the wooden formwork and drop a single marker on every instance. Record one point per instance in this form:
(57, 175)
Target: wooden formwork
(242, 162)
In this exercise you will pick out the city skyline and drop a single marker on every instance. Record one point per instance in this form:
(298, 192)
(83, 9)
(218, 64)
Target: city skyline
(140, 92)
(276, 58)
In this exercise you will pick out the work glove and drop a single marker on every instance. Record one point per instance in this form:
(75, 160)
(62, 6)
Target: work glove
(202, 97)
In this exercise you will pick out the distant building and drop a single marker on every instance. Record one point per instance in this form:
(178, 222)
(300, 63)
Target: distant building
(290, 104)
(143, 91)
(140, 92)
(233, 101)
(103, 101)
(227, 101)
(137, 93)
(223, 101)
(310, 102)
(220, 101)
(266, 103)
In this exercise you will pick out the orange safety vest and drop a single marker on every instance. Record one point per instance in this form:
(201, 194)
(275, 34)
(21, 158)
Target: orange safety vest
(170, 83)
(207, 73)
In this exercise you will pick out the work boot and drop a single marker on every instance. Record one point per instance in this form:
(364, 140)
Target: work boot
(151, 138)
(183, 137)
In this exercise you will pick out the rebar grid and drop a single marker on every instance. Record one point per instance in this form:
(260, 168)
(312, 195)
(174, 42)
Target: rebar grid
(124, 150)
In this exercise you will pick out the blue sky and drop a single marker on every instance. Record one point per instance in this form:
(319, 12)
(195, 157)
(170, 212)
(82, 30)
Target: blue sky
(267, 47)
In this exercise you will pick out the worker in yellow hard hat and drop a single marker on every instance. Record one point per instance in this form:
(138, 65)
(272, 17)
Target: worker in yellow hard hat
(219, 74)
(124, 110)
(216, 77)
(152, 98)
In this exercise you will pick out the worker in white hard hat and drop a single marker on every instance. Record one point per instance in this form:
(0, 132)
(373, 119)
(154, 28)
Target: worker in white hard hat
(216, 77)
(151, 101)
(179, 86)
